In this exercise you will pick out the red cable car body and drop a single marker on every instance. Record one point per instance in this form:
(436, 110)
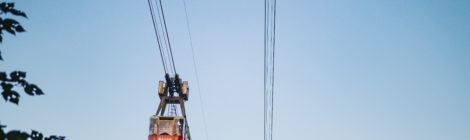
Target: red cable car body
(166, 128)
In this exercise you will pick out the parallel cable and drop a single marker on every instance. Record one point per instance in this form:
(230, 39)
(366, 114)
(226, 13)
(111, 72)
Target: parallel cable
(161, 31)
(156, 34)
(195, 70)
(164, 37)
(168, 39)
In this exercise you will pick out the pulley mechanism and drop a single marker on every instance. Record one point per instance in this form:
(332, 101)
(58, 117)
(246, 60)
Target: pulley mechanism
(172, 85)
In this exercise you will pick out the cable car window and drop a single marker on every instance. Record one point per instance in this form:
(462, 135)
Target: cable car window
(153, 125)
(165, 127)
(179, 126)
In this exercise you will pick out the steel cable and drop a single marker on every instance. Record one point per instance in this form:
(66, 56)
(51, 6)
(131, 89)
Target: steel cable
(269, 47)
(195, 70)
(161, 32)
(167, 38)
(156, 34)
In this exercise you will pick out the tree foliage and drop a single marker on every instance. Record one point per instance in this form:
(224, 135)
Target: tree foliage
(16, 78)
(7, 24)
(19, 135)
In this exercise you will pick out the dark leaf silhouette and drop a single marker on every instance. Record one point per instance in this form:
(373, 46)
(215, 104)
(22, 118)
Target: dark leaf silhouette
(4, 7)
(18, 13)
(17, 78)
(9, 8)
(19, 28)
(17, 75)
(35, 135)
(11, 96)
(53, 137)
(10, 25)
(10, 21)
(19, 135)
(5, 95)
(32, 89)
(2, 134)
(6, 87)
(29, 90)
(3, 76)
(22, 82)
(11, 31)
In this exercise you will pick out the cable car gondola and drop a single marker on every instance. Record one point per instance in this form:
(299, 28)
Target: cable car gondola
(170, 126)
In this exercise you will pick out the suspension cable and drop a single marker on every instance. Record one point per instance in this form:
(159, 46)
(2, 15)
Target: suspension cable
(167, 38)
(163, 37)
(195, 71)
(269, 47)
(156, 34)
(161, 32)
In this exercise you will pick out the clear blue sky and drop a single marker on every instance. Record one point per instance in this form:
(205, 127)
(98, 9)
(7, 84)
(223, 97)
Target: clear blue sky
(345, 69)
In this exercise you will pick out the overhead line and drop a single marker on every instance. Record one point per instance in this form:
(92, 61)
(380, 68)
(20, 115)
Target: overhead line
(195, 70)
(269, 51)
(156, 34)
(168, 39)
